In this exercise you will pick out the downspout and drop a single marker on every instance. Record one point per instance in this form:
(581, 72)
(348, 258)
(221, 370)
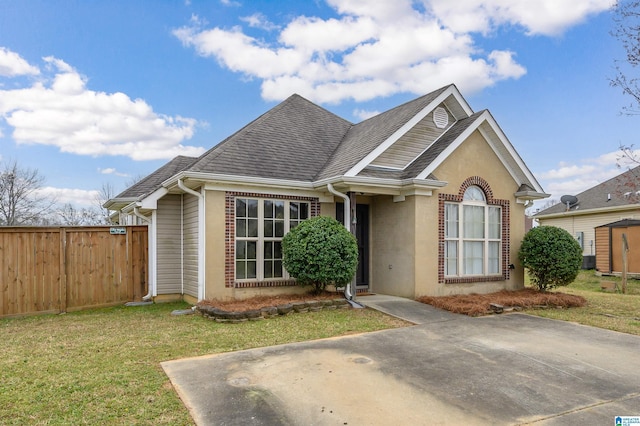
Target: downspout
(136, 212)
(348, 294)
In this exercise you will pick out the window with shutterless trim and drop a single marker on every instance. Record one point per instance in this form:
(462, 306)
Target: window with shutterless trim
(260, 226)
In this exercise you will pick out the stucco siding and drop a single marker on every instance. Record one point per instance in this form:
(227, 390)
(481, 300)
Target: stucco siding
(215, 246)
(475, 157)
(393, 237)
(169, 245)
(190, 244)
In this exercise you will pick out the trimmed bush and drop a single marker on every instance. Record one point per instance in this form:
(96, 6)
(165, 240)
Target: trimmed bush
(551, 255)
(320, 251)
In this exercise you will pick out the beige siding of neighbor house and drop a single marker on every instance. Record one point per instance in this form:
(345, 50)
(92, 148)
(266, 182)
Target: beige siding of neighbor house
(473, 158)
(169, 245)
(587, 223)
(412, 143)
(190, 244)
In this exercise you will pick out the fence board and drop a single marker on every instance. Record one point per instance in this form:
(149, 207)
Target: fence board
(60, 269)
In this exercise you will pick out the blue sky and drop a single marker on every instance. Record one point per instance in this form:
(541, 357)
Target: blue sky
(95, 92)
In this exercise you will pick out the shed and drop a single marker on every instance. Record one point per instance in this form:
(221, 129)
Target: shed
(609, 246)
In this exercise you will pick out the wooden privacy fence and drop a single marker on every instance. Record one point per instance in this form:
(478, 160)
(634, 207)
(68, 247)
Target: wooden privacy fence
(51, 270)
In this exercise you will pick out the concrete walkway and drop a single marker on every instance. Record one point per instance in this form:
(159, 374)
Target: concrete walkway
(447, 369)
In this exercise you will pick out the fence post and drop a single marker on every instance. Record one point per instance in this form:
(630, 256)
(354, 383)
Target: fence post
(63, 270)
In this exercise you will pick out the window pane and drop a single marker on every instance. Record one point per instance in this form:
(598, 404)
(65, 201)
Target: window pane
(277, 250)
(268, 208)
(279, 231)
(473, 217)
(451, 221)
(252, 228)
(241, 207)
(252, 208)
(251, 249)
(277, 268)
(268, 250)
(241, 227)
(304, 210)
(241, 249)
(241, 270)
(473, 193)
(251, 269)
(494, 257)
(494, 222)
(451, 258)
(473, 257)
(294, 211)
(279, 209)
(268, 269)
(268, 228)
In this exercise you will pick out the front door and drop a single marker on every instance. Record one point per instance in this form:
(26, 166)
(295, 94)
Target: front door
(362, 235)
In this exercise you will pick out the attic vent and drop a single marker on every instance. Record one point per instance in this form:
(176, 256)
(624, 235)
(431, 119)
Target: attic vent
(440, 117)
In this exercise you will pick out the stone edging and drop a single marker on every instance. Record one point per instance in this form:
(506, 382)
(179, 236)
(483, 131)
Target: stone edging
(220, 315)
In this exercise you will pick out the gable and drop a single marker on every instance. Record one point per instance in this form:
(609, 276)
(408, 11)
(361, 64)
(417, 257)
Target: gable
(413, 143)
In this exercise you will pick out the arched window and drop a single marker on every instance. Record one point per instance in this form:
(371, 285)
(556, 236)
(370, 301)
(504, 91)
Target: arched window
(472, 236)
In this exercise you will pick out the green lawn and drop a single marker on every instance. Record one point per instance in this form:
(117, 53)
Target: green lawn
(613, 311)
(102, 366)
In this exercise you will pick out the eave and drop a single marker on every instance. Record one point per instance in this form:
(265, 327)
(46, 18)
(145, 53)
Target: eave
(588, 211)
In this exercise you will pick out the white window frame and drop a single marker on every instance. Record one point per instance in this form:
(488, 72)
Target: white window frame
(455, 238)
(261, 238)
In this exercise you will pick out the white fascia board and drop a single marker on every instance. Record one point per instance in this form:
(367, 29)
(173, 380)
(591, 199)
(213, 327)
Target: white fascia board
(512, 151)
(383, 186)
(629, 207)
(216, 179)
(450, 91)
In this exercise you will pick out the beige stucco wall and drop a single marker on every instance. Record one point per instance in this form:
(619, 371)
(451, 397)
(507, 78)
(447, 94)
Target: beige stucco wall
(393, 239)
(215, 246)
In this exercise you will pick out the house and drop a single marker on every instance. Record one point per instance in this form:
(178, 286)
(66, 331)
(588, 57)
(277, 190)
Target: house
(434, 192)
(613, 200)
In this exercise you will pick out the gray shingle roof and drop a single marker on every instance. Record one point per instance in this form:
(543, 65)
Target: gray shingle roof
(610, 193)
(152, 182)
(291, 141)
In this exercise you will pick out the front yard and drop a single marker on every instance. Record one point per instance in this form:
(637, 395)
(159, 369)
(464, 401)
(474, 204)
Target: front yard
(103, 366)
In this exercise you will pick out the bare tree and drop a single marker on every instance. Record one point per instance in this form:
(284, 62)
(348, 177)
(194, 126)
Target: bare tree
(627, 30)
(21, 201)
(71, 216)
(105, 193)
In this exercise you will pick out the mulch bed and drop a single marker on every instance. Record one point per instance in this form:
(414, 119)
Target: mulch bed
(480, 304)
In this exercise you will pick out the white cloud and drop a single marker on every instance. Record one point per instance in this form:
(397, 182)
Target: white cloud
(76, 197)
(375, 48)
(546, 17)
(364, 114)
(63, 112)
(258, 20)
(112, 171)
(12, 64)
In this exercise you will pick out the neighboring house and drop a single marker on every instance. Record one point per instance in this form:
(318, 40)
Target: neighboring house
(616, 199)
(434, 193)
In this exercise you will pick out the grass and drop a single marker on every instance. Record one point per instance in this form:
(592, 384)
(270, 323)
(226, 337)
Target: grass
(103, 366)
(612, 311)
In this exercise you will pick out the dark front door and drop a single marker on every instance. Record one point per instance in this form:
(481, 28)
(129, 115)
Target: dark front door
(362, 235)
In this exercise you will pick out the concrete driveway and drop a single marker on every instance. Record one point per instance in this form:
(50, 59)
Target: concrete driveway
(448, 369)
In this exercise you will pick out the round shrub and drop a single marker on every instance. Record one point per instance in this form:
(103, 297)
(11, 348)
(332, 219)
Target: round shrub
(551, 255)
(320, 251)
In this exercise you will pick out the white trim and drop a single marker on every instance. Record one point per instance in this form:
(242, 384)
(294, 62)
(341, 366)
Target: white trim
(202, 247)
(153, 255)
(588, 212)
(450, 91)
(485, 117)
